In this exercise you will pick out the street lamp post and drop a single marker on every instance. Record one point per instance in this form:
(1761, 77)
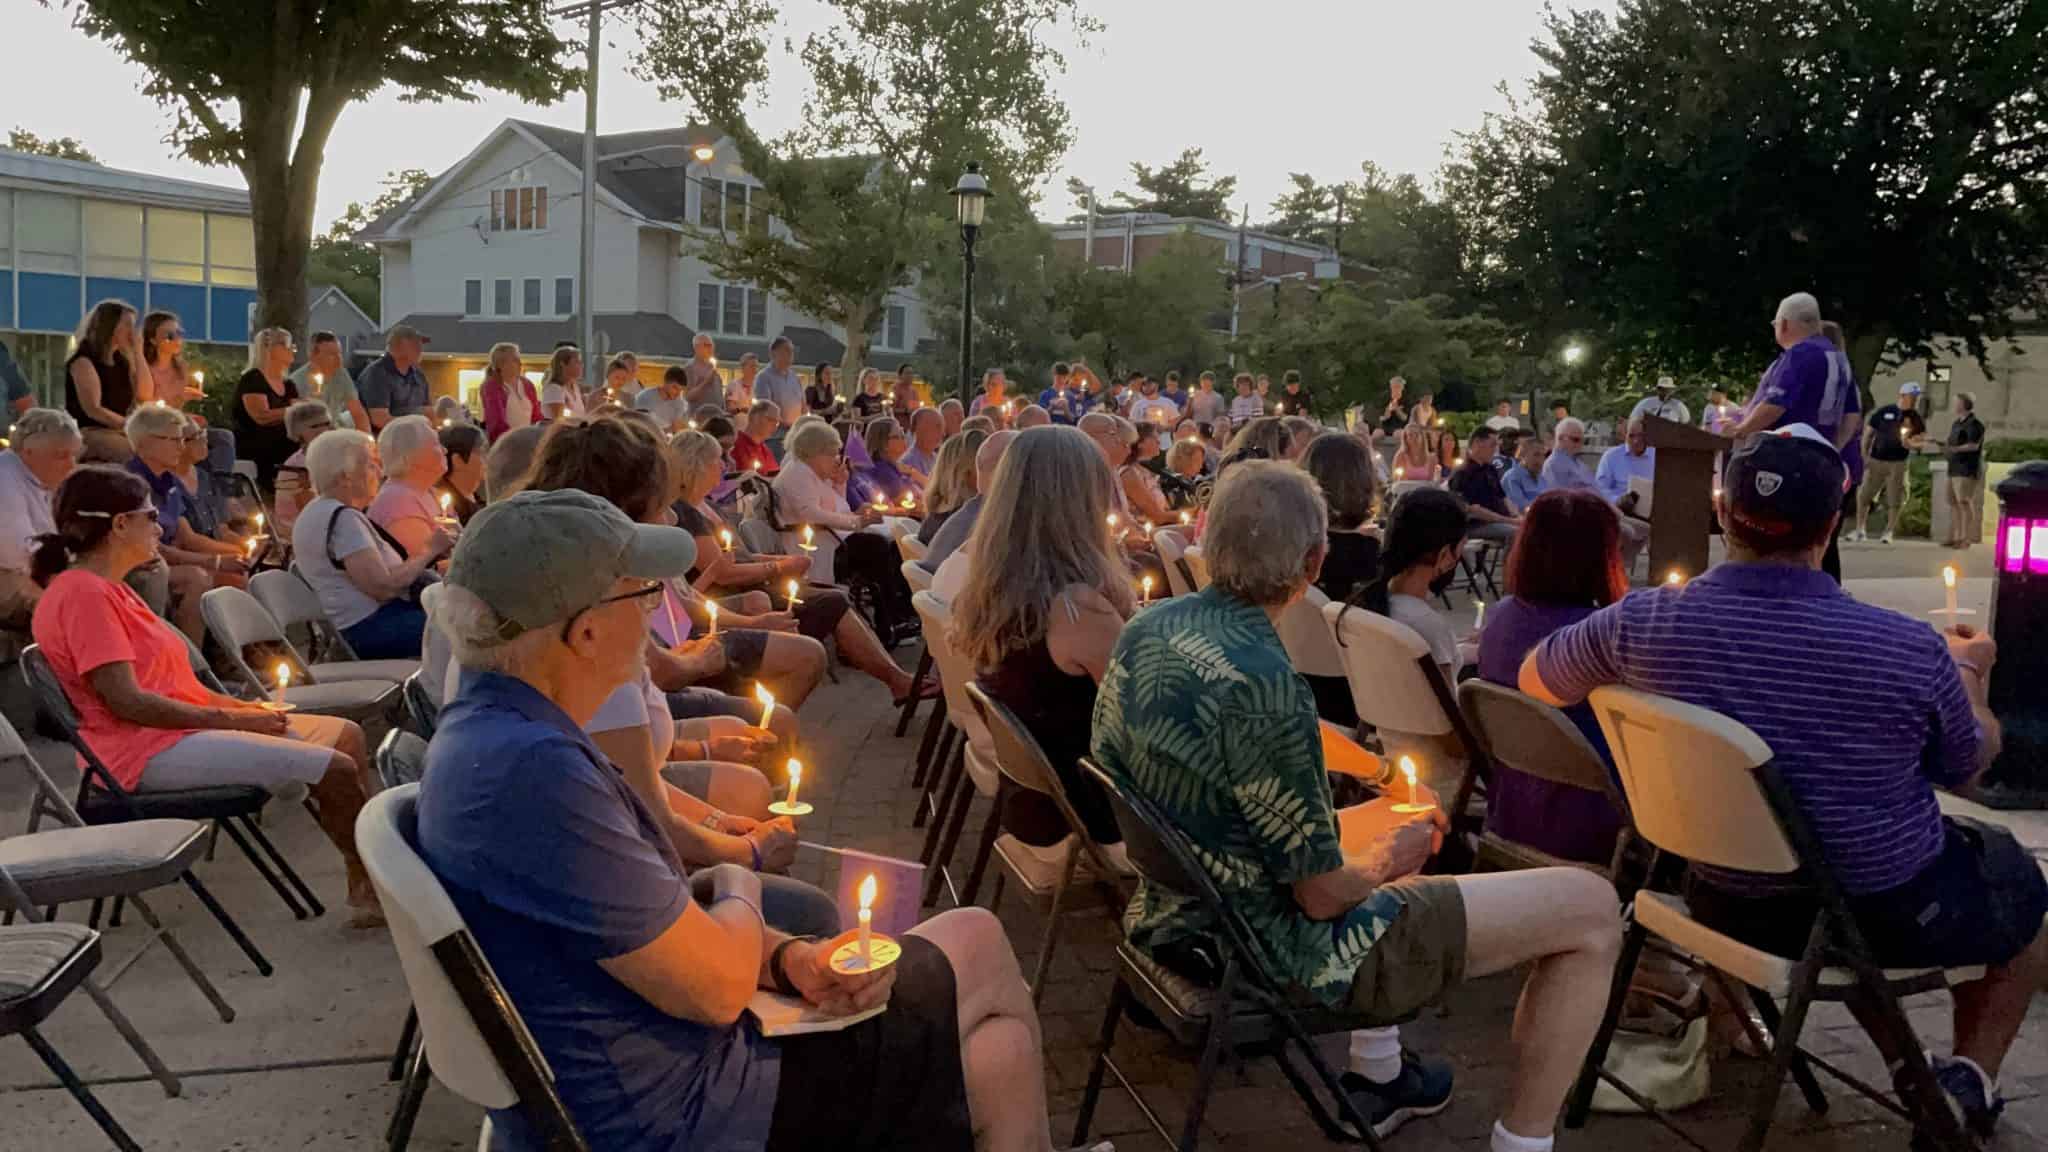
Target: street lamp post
(971, 196)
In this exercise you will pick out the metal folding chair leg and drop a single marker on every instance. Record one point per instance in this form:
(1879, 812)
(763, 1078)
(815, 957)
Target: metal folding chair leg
(227, 922)
(990, 829)
(927, 745)
(1802, 1072)
(184, 959)
(1119, 997)
(936, 871)
(284, 866)
(1581, 1101)
(948, 783)
(924, 668)
(399, 1134)
(80, 1092)
(263, 869)
(401, 1055)
(141, 1047)
(1052, 921)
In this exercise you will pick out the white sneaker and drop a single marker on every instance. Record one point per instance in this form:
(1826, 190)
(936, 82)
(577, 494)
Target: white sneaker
(1885, 539)
(1855, 536)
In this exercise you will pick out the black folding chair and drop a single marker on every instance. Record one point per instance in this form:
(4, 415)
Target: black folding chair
(231, 808)
(43, 964)
(1247, 1010)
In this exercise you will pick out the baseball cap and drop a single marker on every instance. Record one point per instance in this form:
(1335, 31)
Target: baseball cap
(1783, 484)
(405, 332)
(1909, 388)
(539, 558)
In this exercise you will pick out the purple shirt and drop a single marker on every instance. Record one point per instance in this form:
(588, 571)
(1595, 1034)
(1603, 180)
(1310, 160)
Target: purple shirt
(1812, 382)
(1567, 822)
(1861, 707)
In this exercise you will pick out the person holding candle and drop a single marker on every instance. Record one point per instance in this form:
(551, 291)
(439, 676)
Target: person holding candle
(129, 676)
(579, 900)
(163, 356)
(1425, 536)
(197, 562)
(303, 422)
(105, 377)
(407, 506)
(1144, 499)
(960, 523)
(45, 449)
(750, 450)
(509, 398)
(459, 488)
(881, 478)
(993, 395)
(1886, 711)
(262, 397)
(325, 377)
(1042, 599)
(366, 586)
(1222, 738)
(561, 390)
(953, 483)
(808, 492)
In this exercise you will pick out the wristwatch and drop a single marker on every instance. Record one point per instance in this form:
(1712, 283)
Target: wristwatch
(778, 973)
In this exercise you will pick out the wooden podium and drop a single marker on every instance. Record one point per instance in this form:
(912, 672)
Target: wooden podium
(1682, 515)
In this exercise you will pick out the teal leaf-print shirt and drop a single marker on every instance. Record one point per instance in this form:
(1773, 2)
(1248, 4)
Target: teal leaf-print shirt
(1201, 713)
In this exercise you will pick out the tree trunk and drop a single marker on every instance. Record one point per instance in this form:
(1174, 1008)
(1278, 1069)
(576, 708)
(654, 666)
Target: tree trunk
(284, 181)
(1866, 348)
(855, 322)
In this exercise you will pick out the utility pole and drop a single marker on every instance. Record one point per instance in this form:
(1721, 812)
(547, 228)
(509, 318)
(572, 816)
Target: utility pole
(1237, 281)
(1337, 236)
(586, 314)
(1088, 231)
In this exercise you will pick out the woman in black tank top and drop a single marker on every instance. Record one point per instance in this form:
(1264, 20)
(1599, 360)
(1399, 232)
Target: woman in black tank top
(100, 379)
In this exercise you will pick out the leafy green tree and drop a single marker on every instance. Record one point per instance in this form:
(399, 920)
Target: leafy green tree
(1182, 188)
(903, 95)
(1307, 210)
(61, 147)
(1019, 325)
(1167, 313)
(1355, 337)
(1682, 166)
(338, 258)
(259, 86)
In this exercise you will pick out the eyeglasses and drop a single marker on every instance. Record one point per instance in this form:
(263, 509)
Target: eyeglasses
(651, 589)
(171, 334)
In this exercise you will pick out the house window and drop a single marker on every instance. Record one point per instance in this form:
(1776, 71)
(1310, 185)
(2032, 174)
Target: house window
(710, 204)
(530, 295)
(732, 309)
(472, 297)
(736, 206)
(565, 295)
(177, 245)
(893, 327)
(501, 298)
(523, 209)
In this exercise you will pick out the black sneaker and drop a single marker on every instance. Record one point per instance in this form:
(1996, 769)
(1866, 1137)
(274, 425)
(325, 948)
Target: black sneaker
(1422, 1089)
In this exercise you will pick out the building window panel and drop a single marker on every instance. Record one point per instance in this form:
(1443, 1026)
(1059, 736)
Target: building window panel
(526, 208)
(497, 209)
(519, 209)
(893, 327)
(540, 209)
(472, 297)
(735, 206)
(113, 239)
(710, 204)
(565, 295)
(6, 233)
(735, 308)
(231, 250)
(530, 296)
(757, 312)
(707, 307)
(49, 232)
(177, 246)
(501, 298)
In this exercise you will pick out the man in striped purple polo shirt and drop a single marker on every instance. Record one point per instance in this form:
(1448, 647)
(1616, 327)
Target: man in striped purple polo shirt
(1866, 712)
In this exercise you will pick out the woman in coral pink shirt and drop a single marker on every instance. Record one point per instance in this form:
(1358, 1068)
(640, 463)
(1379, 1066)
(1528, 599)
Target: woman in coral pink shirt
(128, 674)
(509, 398)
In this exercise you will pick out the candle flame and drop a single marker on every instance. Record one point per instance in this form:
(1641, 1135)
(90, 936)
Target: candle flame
(767, 700)
(284, 675)
(910, 500)
(447, 502)
(792, 592)
(1408, 774)
(1146, 586)
(796, 777)
(725, 538)
(1112, 521)
(867, 892)
(807, 533)
(1186, 517)
(259, 521)
(1674, 577)
(1948, 575)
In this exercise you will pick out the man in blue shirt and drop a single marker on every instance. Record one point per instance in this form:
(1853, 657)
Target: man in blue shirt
(1063, 402)
(1885, 711)
(632, 978)
(393, 385)
(1632, 459)
(1564, 469)
(1524, 482)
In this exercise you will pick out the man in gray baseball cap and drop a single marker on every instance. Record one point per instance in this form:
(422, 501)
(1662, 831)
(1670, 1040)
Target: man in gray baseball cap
(574, 890)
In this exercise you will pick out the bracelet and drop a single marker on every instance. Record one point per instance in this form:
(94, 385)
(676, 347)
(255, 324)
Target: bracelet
(778, 972)
(755, 849)
(742, 899)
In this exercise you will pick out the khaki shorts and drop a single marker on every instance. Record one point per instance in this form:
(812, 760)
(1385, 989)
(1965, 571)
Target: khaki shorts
(1420, 957)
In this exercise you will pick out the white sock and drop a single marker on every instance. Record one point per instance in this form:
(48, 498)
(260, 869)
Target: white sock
(1376, 1054)
(1506, 1141)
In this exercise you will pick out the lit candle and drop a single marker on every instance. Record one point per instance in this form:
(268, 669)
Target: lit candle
(284, 680)
(793, 600)
(1113, 522)
(807, 545)
(161, 404)
(1145, 589)
(796, 777)
(1674, 578)
(253, 542)
(909, 500)
(199, 378)
(1186, 517)
(1457, 462)
(1948, 580)
(1408, 774)
(259, 521)
(767, 700)
(1279, 409)
(710, 607)
(725, 538)
(1479, 616)
(867, 918)
(881, 504)
(447, 502)
(693, 425)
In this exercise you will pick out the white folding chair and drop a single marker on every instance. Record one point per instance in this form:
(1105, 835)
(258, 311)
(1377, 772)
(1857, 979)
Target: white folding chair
(1399, 690)
(1702, 786)
(973, 759)
(911, 548)
(1198, 566)
(1305, 633)
(472, 1038)
(1172, 548)
(238, 623)
(292, 603)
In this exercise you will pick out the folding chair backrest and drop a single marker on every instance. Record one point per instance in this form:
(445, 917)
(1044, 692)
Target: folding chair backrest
(1311, 647)
(915, 576)
(954, 673)
(1198, 566)
(1390, 670)
(14, 751)
(401, 758)
(293, 603)
(57, 709)
(1172, 548)
(911, 548)
(1019, 757)
(1161, 855)
(238, 622)
(1531, 737)
(760, 537)
(1690, 778)
(436, 653)
(476, 1043)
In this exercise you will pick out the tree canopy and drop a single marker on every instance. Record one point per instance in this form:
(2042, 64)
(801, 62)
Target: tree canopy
(903, 95)
(1162, 315)
(1679, 168)
(259, 86)
(61, 147)
(1181, 188)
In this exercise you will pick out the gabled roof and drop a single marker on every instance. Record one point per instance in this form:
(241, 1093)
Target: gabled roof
(639, 172)
(318, 292)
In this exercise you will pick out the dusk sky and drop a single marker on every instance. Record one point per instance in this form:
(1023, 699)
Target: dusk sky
(1282, 86)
